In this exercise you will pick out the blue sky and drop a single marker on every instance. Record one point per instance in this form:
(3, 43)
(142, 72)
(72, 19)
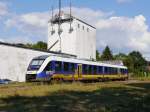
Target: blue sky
(125, 22)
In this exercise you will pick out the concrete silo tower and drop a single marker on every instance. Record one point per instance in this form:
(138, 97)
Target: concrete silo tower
(68, 34)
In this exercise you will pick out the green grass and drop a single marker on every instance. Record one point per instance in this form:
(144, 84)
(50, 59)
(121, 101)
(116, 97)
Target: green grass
(76, 97)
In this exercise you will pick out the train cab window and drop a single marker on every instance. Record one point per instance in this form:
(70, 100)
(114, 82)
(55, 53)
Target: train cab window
(58, 66)
(94, 69)
(72, 67)
(66, 66)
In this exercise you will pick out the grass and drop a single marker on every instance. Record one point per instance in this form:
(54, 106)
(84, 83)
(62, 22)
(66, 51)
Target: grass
(76, 97)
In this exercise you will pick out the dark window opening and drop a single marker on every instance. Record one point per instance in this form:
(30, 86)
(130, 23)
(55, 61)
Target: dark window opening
(89, 69)
(72, 67)
(85, 69)
(48, 67)
(100, 70)
(58, 66)
(78, 25)
(87, 29)
(94, 70)
(66, 66)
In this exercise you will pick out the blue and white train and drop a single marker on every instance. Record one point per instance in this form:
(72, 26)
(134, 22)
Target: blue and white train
(46, 68)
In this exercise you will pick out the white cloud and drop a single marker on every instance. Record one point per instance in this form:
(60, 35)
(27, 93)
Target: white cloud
(31, 24)
(35, 24)
(123, 34)
(3, 9)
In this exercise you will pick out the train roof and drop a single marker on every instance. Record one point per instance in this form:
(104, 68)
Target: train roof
(73, 60)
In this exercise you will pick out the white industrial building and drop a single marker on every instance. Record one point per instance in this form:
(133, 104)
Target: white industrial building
(72, 36)
(14, 60)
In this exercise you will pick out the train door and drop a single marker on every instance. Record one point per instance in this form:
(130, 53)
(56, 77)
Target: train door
(79, 70)
(119, 72)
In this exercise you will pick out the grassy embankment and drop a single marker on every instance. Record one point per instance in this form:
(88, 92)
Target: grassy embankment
(76, 97)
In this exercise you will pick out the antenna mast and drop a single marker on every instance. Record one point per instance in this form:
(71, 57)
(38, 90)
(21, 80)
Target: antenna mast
(59, 23)
(52, 32)
(71, 29)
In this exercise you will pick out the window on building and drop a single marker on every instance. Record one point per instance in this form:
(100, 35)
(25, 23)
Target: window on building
(87, 29)
(83, 27)
(58, 66)
(78, 25)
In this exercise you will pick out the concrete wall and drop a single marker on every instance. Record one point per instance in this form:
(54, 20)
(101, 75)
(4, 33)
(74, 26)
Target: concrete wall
(14, 62)
(86, 41)
(68, 40)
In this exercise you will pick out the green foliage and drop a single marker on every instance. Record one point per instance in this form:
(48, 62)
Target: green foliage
(138, 63)
(98, 57)
(40, 45)
(107, 54)
(134, 60)
(117, 96)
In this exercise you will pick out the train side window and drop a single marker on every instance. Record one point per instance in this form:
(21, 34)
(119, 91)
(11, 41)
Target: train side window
(106, 70)
(89, 69)
(72, 67)
(111, 70)
(48, 67)
(66, 66)
(85, 69)
(100, 69)
(58, 66)
(115, 71)
(94, 70)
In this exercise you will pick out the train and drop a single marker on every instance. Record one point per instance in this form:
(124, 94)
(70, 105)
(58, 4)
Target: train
(47, 68)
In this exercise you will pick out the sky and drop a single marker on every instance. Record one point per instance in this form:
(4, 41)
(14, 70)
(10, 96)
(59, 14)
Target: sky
(124, 25)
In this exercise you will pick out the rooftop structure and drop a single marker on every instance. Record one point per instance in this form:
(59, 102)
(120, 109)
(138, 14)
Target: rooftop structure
(71, 35)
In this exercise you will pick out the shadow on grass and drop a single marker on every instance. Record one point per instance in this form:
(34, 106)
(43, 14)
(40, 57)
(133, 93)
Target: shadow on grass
(115, 99)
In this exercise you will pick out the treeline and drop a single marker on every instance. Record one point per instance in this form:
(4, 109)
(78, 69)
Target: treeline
(39, 45)
(135, 62)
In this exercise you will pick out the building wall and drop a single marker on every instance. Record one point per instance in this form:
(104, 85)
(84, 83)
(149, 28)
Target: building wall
(67, 39)
(86, 41)
(14, 62)
(80, 42)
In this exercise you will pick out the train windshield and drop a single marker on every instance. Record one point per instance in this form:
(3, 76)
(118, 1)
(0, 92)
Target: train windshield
(35, 64)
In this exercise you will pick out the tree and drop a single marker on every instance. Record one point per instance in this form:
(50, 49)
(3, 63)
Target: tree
(98, 58)
(40, 45)
(138, 63)
(120, 56)
(107, 54)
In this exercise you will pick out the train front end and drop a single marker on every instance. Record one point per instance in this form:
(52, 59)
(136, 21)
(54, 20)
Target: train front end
(36, 68)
